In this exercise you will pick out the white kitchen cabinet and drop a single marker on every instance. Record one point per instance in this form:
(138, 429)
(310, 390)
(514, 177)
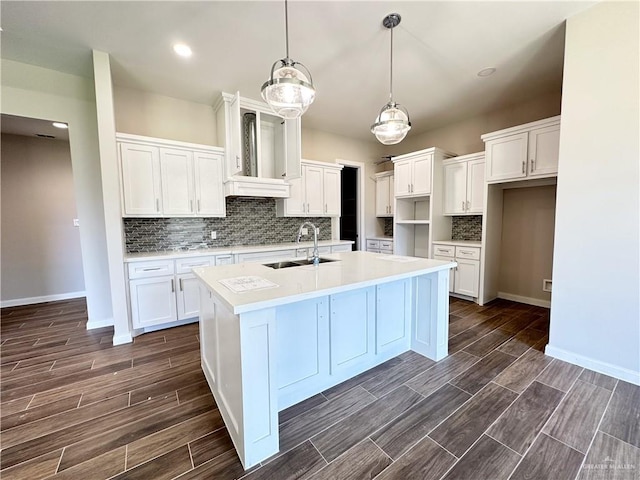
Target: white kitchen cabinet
(164, 291)
(413, 174)
(384, 194)
(465, 278)
(141, 183)
(523, 152)
(377, 245)
(163, 178)
(315, 194)
(261, 154)
(464, 185)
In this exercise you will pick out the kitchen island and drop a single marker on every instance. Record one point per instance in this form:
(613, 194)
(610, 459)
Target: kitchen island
(270, 338)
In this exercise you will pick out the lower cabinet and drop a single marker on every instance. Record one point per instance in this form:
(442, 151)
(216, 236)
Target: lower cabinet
(465, 278)
(380, 246)
(153, 301)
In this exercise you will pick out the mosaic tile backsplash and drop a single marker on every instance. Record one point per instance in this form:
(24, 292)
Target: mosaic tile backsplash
(467, 228)
(249, 221)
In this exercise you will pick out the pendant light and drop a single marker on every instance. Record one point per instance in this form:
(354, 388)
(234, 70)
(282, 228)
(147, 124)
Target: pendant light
(289, 90)
(392, 123)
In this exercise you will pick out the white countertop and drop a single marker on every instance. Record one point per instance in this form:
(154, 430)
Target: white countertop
(168, 255)
(353, 270)
(460, 243)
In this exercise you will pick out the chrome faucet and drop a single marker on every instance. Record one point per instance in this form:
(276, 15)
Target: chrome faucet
(316, 255)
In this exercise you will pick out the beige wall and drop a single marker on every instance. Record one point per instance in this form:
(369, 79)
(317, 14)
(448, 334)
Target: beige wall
(151, 115)
(526, 258)
(596, 268)
(464, 137)
(41, 254)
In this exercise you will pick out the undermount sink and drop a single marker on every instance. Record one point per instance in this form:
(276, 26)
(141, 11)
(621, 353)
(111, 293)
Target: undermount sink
(296, 263)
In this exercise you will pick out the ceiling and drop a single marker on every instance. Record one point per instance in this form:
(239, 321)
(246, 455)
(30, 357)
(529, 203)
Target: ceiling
(439, 47)
(30, 127)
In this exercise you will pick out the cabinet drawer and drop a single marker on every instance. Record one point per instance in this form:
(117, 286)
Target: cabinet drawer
(444, 250)
(265, 257)
(155, 268)
(385, 245)
(184, 265)
(373, 244)
(224, 259)
(470, 253)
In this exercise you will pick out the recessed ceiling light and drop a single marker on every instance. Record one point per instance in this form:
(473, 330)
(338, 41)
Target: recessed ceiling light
(60, 125)
(182, 50)
(485, 72)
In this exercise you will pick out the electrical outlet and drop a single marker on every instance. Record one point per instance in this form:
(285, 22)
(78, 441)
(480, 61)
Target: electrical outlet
(214, 235)
(76, 222)
(305, 231)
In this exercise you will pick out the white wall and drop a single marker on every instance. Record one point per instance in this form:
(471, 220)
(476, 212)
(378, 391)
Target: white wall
(41, 256)
(595, 312)
(36, 92)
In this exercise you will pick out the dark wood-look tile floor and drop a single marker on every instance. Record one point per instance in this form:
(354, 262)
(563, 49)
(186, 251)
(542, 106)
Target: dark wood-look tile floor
(74, 406)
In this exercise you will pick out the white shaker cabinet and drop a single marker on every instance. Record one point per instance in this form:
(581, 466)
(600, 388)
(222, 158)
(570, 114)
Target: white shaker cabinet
(140, 179)
(164, 178)
(153, 301)
(464, 185)
(526, 151)
(315, 194)
(384, 194)
(465, 277)
(413, 174)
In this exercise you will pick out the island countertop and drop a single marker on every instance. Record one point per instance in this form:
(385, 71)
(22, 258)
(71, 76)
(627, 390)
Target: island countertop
(351, 270)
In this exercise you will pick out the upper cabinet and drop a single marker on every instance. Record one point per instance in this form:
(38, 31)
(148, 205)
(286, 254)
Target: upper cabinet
(523, 152)
(163, 178)
(464, 185)
(262, 150)
(413, 174)
(384, 194)
(315, 194)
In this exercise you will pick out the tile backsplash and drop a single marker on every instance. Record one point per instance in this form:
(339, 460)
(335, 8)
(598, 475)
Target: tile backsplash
(466, 228)
(249, 221)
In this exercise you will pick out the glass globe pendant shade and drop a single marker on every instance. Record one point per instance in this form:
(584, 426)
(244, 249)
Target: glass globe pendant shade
(289, 91)
(392, 124)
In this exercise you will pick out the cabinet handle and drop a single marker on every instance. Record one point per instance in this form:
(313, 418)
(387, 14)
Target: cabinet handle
(463, 209)
(409, 187)
(157, 204)
(173, 286)
(191, 205)
(238, 161)
(463, 252)
(523, 167)
(181, 289)
(468, 205)
(151, 269)
(198, 204)
(325, 208)
(532, 164)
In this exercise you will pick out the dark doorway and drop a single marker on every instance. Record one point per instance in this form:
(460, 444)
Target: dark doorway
(349, 214)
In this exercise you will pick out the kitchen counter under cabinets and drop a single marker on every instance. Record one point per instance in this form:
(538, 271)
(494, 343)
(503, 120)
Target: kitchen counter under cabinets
(163, 292)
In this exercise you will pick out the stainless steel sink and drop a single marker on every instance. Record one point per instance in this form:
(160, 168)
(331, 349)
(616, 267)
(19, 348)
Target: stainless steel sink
(296, 263)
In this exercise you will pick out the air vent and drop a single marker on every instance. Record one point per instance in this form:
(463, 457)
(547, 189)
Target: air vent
(44, 135)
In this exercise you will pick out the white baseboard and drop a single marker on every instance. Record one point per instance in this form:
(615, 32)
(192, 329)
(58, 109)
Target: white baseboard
(45, 298)
(521, 299)
(593, 364)
(106, 322)
(122, 339)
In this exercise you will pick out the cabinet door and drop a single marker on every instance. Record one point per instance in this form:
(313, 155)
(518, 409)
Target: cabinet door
(392, 199)
(452, 272)
(293, 148)
(544, 147)
(140, 166)
(188, 296)
(382, 196)
(402, 172)
(421, 184)
(332, 200)
(313, 186)
(153, 301)
(506, 157)
(467, 277)
(295, 205)
(177, 182)
(455, 188)
(233, 147)
(475, 186)
(209, 184)
(393, 316)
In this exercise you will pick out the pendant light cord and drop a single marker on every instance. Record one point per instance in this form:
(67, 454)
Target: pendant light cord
(286, 27)
(390, 69)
